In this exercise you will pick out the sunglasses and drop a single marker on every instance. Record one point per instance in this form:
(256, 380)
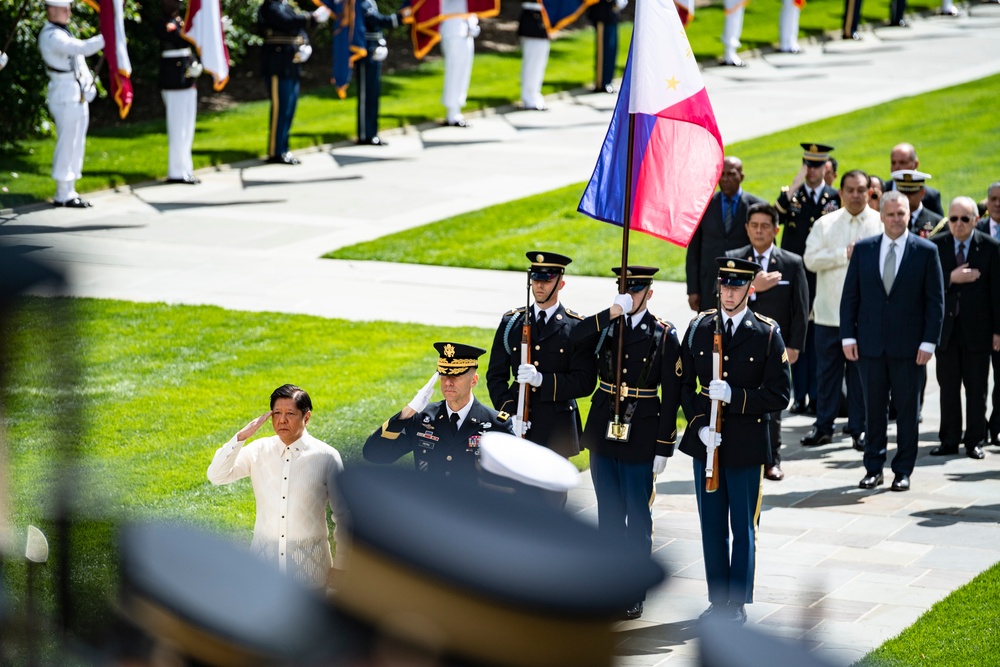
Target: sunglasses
(635, 289)
(956, 218)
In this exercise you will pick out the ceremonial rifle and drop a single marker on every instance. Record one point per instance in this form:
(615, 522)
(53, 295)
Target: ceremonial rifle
(715, 418)
(522, 392)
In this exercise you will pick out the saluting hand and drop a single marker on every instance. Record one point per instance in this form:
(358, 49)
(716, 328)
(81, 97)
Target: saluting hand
(251, 428)
(420, 399)
(624, 304)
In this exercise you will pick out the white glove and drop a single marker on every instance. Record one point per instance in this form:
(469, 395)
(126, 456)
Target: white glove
(90, 92)
(423, 397)
(659, 464)
(621, 4)
(706, 436)
(381, 53)
(719, 390)
(528, 373)
(474, 26)
(303, 54)
(194, 71)
(322, 14)
(519, 425)
(624, 301)
(227, 24)
(3, 59)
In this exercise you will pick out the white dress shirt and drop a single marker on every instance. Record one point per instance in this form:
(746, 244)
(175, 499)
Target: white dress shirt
(883, 252)
(291, 493)
(826, 256)
(462, 412)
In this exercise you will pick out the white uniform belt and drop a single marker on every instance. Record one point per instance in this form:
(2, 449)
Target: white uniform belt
(176, 53)
(537, 6)
(56, 74)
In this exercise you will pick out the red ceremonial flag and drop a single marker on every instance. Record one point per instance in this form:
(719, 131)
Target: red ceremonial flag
(677, 148)
(203, 28)
(424, 17)
(112, 15)
(685, 10)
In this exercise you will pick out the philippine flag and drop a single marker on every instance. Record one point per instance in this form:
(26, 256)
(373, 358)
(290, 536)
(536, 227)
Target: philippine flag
(677, 148)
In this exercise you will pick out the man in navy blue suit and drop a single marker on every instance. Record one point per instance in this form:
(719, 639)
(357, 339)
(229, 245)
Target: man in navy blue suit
(891, 314)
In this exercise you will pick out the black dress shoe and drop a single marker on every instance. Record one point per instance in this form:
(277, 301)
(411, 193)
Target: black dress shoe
(187, 180)
(790, 51)
(975, 452)
(815, 439)
(994, 440)
(901, 483)
(541, 108)
(607, 88)
(736, 63)
(374, 141)
(945, 450)
(871, 481)
(774, 473)
(711, 611)
(736, 614)
(811, 408)
(284, 158)
(75, 202)
(456, 123)
(798, 407)
(858, 443)
(902, 23)
(633, 612)
(854, 35)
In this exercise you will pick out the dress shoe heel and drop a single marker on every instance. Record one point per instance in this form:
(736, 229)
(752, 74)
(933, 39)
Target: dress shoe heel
(901, 483)
(871, 481)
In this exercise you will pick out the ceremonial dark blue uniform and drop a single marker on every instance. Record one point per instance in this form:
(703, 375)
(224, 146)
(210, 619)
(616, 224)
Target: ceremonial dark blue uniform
(568, 372)
(622, 470)
(437, 448)
(605, 16)
(755, 365)
(284, 32)
(368, 71)
(173, 68)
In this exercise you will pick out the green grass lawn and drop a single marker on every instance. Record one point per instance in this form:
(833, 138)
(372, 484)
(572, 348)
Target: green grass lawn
(960, 162)
(137, 151)
(959, 631)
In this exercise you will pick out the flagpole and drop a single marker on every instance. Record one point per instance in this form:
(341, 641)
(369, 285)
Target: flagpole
(617, 427)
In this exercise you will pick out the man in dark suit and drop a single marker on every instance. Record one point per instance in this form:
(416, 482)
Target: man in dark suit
(443, 436)
(970, 262)
(780, 293)
(286, 47)
(368, 70)
(756, 384)
(722, 228)
(923, 221)
(631, 427)
(890, 322)
(904, 156)
(558, 372)
(799, 206)
(990, 225)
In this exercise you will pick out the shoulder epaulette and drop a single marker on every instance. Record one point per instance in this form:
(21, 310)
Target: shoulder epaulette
(667, 323)
(696, 322)
(514, 311)
(572, 313)
(766, 320)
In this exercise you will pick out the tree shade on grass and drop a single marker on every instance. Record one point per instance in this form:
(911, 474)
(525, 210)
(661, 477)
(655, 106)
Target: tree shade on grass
(961, 163)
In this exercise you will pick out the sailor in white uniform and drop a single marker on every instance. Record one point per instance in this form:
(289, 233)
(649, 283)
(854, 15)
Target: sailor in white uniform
(71, 89)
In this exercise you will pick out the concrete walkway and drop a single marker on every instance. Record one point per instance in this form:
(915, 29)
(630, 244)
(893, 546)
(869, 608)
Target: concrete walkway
(838, 568)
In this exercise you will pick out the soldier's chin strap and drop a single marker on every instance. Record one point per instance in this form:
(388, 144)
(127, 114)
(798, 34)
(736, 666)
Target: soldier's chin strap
(555, 286)
(746, 293)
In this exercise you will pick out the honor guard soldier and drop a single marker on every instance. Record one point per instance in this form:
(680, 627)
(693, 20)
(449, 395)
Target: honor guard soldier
(286, 47)
(179, 72)
(606, 15)
(443, 436)
(554, 372)
(923, 221)
(751, 381)
(458, 33)
(631, 427)
(71, 90)
(799, 206)
(368, 71)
